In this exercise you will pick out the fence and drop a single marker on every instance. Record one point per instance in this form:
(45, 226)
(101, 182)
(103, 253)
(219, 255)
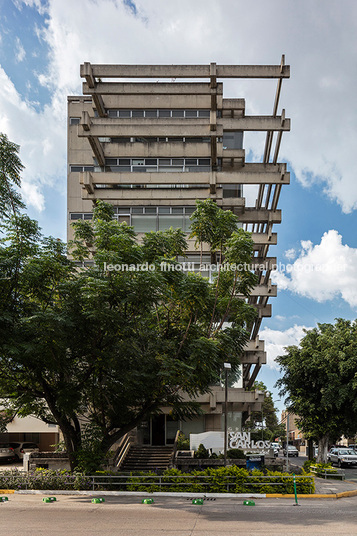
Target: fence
(172, 483)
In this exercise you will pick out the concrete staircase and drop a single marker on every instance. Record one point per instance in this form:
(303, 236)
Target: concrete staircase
(146, 458)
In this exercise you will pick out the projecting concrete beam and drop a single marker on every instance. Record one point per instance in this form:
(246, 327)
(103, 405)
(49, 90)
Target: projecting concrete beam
(261, 239)
(85, 178)
(253, 358)
(264, 290)
(97, 150)
(186, 71)
(233, 104)
(244, 176)
(142, 88)
(253, 215)
(255, 123)
(152, 128)
(99, 105)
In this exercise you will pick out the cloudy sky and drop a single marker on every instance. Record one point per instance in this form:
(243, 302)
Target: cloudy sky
(42, 44)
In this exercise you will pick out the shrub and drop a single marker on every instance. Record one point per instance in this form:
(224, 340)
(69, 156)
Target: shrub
(235, 454)
(183, 443)
(201, 452)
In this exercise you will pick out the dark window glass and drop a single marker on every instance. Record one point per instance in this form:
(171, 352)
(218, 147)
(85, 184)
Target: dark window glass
(137, 210)
(124, 113)
(74, 216)
(204, 161)
(74, 120)
(75, 169)
(112, 113)
(111, 161)
(191, 113)
(150, 210)
(177, 113)
(164, 210)
(203, 113)
(164, 161)
(177, 161)
(151, 161)
(124, 161)
(88, 216)
(137, 113)
(191, 161)
(88, 168)
(150, 113)
(177, 210)
(164, 113)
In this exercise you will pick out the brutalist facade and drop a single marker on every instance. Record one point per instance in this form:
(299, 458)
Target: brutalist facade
(151, 139)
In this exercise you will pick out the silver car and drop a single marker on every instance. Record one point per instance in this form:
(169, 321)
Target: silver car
(343, 456)
(7, 453)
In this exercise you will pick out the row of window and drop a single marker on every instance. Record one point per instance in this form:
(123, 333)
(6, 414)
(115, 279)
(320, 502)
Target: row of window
(137, 210)
(157, 113)
(158, 139)
(153, 165)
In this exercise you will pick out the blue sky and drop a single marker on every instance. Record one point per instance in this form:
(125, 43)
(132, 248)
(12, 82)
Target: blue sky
(42, 45)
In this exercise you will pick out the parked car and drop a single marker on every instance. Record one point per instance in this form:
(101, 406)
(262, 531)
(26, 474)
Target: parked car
(275, 448)
(7, 453)
(21, 447)
(292, 451)
(343, 456)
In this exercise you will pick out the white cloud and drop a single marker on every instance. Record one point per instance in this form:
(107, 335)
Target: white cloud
(20, 53)
(276, 341)
(319, 97)
(290, 254)
(323, 271)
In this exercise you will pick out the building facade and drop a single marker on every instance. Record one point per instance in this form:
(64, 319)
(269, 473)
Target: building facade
(151, 140)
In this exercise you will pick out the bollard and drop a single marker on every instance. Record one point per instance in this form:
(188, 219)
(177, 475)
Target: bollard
(249, 503)
(197, 501)
(98, 500)
(147, 501)
(49, 499)
(296, 499)
(3, 499)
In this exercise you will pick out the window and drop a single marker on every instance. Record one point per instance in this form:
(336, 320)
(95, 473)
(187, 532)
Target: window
(74, 120)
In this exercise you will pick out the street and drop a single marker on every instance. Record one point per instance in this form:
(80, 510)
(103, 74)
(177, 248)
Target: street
(350, 471)
(28, 515)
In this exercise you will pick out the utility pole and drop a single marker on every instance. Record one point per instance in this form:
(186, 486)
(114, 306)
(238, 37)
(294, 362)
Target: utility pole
(287, 442)
(227, 367)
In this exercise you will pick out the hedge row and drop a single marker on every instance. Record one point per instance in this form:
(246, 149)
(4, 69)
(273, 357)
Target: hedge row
(231, 479)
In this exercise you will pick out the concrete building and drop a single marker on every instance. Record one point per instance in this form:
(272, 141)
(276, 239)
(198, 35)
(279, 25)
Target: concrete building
(151, 140)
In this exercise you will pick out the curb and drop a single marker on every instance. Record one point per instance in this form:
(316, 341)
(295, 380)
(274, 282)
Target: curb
(341, 495)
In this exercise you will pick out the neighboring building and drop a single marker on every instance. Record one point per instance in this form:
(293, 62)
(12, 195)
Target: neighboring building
(32, 430)
(151, 139)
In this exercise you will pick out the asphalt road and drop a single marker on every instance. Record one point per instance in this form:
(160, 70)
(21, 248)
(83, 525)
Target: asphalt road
(29, 516)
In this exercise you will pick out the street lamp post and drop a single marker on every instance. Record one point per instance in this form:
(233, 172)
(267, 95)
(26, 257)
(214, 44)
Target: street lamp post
(227, 367)
(287, 442)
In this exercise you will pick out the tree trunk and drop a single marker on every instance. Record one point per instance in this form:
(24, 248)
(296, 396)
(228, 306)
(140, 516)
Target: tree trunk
(310, 446)
(323, 447)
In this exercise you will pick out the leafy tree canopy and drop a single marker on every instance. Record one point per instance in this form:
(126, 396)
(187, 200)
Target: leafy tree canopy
(100, 350)
(320, 382)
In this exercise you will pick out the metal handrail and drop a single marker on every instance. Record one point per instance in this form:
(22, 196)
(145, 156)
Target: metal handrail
(122, 450)
(174, 450)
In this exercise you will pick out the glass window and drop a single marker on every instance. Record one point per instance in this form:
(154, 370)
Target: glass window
(150, 210)
(88, 216)
(137, 210)
(164, 162)
(177, 210)
(138, 162)
(124, 113)
(177, 161)
(88, 168)
(164, 210)
(144, 224)
(75, 216)
(137, 113)
(124, 161)
(151, 161)
(167, 221)
(204, 161)
(74, 120)
(203, 113)
(164, 113)
(123, 210)
(75, 169)
(111, 161)
(190, 161)
(112, 113)
(150, 113)
(191, 113)
(177, 113)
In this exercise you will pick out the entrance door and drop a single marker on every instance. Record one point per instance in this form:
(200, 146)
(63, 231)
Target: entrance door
(158, 430)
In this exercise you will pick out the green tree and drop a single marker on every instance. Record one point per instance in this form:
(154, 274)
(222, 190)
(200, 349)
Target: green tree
(320, 382)
(265, 423)
(10, 180)
(96, 350)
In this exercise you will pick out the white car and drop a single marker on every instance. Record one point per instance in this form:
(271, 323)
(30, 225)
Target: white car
(292, 451)
(343, 456)
(21, 447)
